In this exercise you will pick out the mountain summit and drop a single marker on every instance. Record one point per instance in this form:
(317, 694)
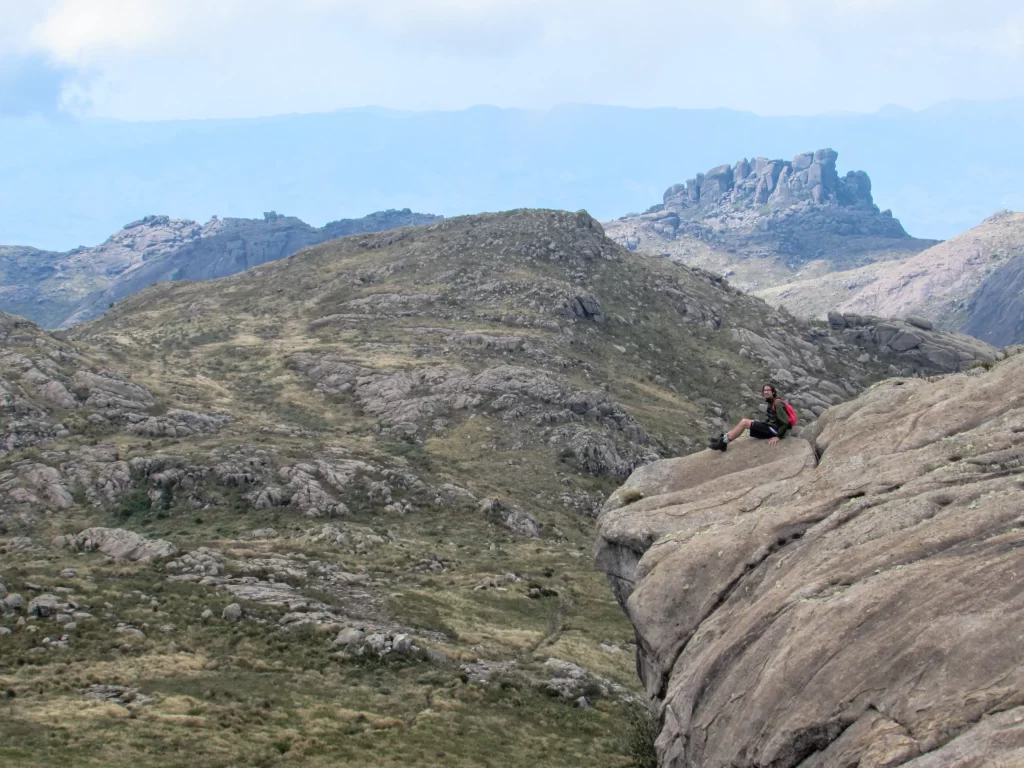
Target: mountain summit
(798, 210)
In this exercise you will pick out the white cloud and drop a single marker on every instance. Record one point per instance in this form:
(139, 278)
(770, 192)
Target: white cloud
(80, 31)
(16, 19)
(196, 58)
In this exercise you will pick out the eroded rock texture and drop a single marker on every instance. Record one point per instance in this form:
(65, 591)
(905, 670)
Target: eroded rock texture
(852, 599)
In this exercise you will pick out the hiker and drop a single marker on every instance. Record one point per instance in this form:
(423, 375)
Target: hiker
(774, 427)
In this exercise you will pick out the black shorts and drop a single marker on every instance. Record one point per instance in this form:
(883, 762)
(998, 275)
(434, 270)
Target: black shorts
(762, 431)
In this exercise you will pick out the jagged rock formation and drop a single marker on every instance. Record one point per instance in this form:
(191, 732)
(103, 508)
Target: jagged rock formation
(58, 290)
(916, 338)
(851, 598)
(801, 236)
(793, 211)
(810, 176)
(969, 283)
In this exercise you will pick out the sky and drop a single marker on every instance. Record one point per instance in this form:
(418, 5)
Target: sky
(196, 59)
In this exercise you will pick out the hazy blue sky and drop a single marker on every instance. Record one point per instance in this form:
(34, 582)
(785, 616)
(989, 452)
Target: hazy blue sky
(159, 59)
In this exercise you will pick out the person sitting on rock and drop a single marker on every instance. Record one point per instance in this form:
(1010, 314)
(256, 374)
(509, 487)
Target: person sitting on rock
(773, 428)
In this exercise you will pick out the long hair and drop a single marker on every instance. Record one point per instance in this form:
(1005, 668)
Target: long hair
(772, 388)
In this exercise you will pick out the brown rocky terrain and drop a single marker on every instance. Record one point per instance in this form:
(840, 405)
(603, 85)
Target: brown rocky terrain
(336, 507)
(61, 289)
(847, 598)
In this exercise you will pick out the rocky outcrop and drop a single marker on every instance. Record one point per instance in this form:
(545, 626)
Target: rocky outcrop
(846, 599)
(179, 423)
(808, 176)
(916, 340)
(407, 401)
(62, 289)
(794, 210)
(511, 517)
(118, 543)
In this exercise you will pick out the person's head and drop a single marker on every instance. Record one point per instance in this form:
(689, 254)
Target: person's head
(769, 392)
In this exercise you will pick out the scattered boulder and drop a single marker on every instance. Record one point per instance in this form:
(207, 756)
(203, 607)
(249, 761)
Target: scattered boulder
(13, 602)
(196, 565)
(118, 543)
(117, 694)
(920, 322)
(232, 612)
(350, 636)
(45, 606)
(511, 517)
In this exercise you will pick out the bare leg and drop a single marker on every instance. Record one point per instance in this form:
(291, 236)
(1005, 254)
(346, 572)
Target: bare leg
(740, 428)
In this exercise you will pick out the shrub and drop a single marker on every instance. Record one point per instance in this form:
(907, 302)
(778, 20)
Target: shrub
(636, 740)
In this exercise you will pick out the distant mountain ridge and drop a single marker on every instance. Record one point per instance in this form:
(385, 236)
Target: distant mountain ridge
(57, 290)
(942, 169)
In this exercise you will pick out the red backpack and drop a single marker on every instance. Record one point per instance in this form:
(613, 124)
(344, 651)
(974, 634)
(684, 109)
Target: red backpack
(790, 414)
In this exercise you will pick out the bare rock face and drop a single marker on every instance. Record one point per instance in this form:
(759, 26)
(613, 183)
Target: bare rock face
(915, 339)
(798, 209)
(119, 543)
(851, 599)
(511, 517)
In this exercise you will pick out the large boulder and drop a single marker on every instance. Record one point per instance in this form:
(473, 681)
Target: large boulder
(851, 599)
(118, 543)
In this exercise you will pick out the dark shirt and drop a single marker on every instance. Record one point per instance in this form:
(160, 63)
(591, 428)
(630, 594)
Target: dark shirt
(777, 418)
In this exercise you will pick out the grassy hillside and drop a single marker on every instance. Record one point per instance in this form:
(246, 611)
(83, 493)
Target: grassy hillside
(376, 465)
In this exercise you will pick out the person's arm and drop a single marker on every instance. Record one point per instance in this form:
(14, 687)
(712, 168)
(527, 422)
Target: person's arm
(780, 414)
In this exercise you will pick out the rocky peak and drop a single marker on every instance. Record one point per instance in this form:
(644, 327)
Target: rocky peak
(139, 241)
(810, 176)
(801, 209)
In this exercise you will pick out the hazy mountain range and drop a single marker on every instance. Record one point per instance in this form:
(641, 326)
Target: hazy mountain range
(942, 170)
(61, 289)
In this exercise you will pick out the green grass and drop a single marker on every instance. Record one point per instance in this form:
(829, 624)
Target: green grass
(243, 694)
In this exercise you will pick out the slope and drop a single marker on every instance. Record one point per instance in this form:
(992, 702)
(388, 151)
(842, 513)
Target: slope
(960, 284)
(366, 476)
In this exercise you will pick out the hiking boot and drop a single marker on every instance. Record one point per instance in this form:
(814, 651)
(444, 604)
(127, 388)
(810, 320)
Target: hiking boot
(717, 443)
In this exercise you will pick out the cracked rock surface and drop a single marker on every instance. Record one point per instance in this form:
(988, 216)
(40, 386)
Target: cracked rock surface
(850, 599)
